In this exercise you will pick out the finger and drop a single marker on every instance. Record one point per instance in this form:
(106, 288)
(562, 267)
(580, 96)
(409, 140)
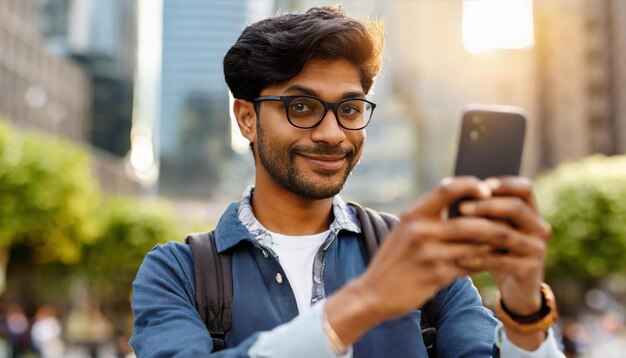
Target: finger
(447, 192)
(518, 186)
(438, 251)
(508, 208)
(495, 234)
(443, 273)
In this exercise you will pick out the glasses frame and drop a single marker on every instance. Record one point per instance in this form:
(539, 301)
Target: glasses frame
(286, 100)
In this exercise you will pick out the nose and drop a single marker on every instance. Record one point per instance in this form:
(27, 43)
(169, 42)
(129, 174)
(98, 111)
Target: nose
(328, 130)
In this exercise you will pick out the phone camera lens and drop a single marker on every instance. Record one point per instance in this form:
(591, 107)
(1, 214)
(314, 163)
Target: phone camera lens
(474, 135)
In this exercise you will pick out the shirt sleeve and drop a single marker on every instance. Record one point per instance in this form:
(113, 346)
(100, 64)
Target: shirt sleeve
(303, 337)
(166, 323)
(548, 349)
(465, 328)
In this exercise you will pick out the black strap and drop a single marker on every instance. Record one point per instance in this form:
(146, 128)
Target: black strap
(375, 225)
(214, 286)
(214, 283)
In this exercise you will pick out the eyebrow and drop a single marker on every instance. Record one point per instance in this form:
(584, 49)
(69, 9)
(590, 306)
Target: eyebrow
(310, 92)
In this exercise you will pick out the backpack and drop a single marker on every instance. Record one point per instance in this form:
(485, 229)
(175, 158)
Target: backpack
(214, 286)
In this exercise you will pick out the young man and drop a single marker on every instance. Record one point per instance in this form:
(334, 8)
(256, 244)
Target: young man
(301, 284)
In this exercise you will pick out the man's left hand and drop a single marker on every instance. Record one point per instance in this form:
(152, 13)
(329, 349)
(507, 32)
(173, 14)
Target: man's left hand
(518, 259)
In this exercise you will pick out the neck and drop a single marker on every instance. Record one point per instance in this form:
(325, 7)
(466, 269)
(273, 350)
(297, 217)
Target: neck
(287, 213)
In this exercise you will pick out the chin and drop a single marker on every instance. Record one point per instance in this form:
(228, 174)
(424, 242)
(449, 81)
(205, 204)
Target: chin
(324, 188)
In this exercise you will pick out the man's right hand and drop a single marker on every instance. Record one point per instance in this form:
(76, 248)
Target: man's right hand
(417, 259)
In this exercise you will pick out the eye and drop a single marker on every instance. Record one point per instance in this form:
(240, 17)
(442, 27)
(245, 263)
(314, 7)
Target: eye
(300, 107)
(349, 110)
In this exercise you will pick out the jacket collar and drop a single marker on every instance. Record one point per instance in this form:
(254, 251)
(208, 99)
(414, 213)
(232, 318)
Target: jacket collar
(230, 231)
(238, 223)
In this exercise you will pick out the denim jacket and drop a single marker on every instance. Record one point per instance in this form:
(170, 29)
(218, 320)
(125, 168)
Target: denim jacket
(265, 320)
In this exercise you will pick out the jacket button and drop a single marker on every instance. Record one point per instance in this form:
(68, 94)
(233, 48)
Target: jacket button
(264, 253)
(279, 277)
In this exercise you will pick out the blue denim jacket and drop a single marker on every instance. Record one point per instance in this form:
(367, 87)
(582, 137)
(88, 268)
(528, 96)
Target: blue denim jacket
(265, 315)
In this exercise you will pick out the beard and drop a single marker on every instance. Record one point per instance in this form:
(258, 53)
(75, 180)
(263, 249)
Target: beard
(280, 163)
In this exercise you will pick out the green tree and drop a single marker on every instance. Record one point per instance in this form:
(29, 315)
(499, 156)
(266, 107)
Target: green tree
(59, 229)
(585, 202)
(46, 194)
(130, 228)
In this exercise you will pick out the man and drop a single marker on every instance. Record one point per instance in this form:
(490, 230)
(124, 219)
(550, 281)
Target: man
(301, 284)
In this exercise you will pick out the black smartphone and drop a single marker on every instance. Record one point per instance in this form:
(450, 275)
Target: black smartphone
(491, 143)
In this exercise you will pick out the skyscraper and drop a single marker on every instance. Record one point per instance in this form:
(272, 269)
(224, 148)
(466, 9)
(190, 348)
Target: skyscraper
(101, 37)
(194, 129)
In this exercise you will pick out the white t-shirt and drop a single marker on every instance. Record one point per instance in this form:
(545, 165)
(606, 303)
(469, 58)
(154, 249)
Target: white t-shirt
(296, 255)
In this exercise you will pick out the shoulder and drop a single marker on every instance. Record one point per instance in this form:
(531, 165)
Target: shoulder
(172, 260)
(171, 253)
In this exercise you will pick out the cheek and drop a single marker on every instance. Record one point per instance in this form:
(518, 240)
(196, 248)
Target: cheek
(358, 141)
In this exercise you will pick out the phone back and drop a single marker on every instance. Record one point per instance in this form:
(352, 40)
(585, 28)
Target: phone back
(491, 143)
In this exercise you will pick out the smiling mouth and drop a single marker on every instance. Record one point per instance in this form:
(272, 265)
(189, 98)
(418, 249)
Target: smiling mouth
(325, 162)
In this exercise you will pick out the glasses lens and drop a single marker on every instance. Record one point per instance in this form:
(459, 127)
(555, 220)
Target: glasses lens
(305, 112)
(354, 113)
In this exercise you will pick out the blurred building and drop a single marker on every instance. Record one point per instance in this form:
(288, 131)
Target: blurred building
(37, 90)
(435, 77)
(582, 93)
(101, 37)
(42, 89)
(194, 127)
(572, 82)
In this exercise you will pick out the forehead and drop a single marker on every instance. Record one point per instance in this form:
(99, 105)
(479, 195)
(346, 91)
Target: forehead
(328, 79)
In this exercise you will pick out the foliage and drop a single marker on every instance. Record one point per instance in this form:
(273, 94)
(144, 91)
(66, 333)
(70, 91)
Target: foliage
(46, 194)
(585, 202)
(130, 228)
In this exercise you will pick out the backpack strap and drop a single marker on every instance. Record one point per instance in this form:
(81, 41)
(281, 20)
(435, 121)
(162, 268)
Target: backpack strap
(214, 286)
(214, 283)
(375, 225)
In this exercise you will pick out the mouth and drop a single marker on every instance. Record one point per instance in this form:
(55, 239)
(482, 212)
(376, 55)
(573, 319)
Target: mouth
(326, 162)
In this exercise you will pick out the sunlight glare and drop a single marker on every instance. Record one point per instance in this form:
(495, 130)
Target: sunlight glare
(497, 24)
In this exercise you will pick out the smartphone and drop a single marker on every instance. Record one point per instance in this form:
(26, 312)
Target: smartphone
(491, 143)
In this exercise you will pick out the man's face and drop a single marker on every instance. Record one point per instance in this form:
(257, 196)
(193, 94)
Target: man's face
(313, 163)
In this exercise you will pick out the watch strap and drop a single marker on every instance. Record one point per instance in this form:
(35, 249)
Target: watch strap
(538, 321)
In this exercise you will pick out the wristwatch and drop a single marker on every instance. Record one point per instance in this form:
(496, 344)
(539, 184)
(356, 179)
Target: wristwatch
(538, 321)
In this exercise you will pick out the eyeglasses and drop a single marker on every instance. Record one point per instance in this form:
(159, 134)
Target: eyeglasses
(308, 111)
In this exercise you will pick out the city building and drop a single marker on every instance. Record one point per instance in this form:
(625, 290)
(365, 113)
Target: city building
(101, 37)
(572, 82)
(39, 91)
(45, 90)
(193, 130)
(581, 48)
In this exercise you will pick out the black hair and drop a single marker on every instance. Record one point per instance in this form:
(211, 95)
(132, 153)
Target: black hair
(274, 50)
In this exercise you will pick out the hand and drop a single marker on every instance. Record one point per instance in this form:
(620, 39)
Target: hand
(517, 264)
(418, 258)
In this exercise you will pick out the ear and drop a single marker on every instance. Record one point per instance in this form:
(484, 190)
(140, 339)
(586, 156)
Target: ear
(246, 118)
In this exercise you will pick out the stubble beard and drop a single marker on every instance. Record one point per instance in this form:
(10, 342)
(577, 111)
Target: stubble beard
(280, 164)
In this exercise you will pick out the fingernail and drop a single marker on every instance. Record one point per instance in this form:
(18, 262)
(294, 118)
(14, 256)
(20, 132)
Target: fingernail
(468, 208)
(446, 181)
(493, 183)
(485, 190)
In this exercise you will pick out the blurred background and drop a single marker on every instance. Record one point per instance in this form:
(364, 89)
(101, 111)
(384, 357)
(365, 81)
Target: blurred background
(115, 135)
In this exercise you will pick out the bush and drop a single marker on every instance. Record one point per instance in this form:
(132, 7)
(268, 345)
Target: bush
(130, 228)
(585, 202)
(46, 194)
(59, 229)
